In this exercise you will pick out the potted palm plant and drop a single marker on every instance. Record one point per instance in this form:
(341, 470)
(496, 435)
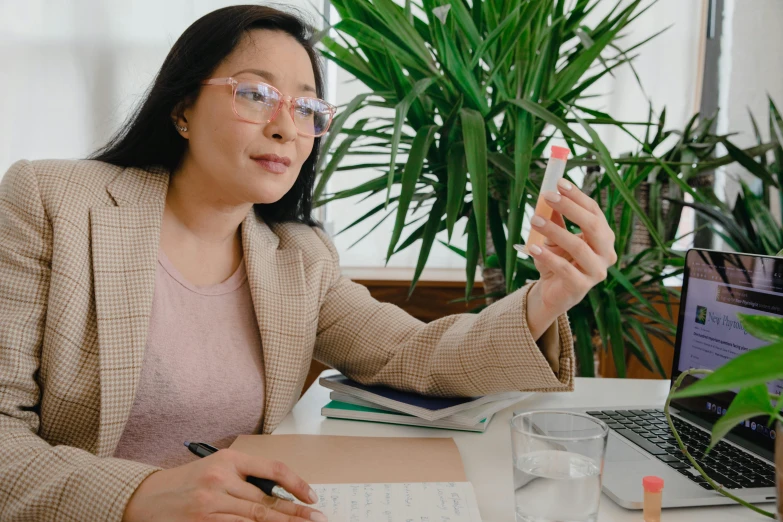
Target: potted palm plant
(748, 225)
(749, 373)
(470, 94)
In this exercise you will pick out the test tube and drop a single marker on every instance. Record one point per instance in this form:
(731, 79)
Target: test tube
(653, 487)
(555, 168)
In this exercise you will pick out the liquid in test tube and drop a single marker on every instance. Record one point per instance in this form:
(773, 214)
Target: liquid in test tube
(555, 168)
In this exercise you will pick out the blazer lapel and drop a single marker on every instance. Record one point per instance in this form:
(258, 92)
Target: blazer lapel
(124, 255)
(283, 307)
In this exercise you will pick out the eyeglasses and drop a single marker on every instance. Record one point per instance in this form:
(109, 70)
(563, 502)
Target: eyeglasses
(258, 102)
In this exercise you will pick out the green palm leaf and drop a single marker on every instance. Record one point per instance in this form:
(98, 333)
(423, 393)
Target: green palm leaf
(410, 175)
(401, 112)
(474, 136)
(457, 177)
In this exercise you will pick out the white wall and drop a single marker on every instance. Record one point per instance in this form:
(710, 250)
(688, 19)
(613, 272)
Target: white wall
(72, 71)
(751, 66)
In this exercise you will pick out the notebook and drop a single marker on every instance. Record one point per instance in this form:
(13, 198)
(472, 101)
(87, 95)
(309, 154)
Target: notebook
(341, 410)
(331, 459)
(398, 502)
(429, 408)
(373, 472)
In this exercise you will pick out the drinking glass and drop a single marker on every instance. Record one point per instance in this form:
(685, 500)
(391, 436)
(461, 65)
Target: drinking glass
(558, 460)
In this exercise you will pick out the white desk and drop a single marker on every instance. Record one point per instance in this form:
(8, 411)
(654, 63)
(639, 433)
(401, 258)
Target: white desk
(487, 456)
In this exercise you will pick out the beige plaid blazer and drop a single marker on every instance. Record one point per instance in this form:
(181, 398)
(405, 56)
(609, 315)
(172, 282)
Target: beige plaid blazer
(78, 250)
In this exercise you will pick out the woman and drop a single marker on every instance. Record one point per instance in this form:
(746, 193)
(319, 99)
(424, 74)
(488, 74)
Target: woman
(176, 287)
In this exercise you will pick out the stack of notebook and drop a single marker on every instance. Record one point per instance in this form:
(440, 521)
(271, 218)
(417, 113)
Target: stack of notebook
(351, 400)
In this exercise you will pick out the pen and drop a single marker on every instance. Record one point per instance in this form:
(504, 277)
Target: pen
(269, 487)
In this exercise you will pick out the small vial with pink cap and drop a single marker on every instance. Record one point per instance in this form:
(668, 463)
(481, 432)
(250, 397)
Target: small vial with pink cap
(653, 494)
(555, 168)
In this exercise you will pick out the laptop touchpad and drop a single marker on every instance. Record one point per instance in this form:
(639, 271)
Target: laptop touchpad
(619, 451)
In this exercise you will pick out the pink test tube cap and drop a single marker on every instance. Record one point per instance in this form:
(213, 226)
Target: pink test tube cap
(560, 152)
(652, 483)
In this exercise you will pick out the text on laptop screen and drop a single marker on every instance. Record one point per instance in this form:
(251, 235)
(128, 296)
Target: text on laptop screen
(711, 332)
(717, 287)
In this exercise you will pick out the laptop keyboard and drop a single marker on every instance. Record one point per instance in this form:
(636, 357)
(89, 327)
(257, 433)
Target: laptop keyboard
(725, 464)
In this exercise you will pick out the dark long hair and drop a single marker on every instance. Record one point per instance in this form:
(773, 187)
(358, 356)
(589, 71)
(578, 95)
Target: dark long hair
(148, 138)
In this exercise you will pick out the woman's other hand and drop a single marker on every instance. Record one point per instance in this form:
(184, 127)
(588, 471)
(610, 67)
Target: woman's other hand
(214, 489)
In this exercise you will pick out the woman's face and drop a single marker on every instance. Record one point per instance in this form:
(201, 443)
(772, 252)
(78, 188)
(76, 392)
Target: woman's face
(223, 150)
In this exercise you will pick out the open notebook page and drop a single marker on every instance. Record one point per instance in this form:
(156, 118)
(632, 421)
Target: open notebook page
(399, 502)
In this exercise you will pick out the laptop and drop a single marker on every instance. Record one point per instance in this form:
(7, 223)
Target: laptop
(716, 286)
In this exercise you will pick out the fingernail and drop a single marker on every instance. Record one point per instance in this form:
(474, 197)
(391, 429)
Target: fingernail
(315, 516)
(538, 221)
(313, 496)
(565, 185)
(535, 249)
(554, 197)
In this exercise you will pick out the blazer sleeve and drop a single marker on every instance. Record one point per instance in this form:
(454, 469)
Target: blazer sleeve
(458, 355)
(39, 481)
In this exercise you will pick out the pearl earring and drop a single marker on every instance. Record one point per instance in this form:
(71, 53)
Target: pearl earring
(179, 128)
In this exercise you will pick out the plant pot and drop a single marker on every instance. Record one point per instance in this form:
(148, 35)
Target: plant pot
(779, 467)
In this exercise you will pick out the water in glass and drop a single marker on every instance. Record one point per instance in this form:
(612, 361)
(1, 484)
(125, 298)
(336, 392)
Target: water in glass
(556, 486)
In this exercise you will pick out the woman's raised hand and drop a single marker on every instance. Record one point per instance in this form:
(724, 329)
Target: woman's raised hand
(571, 264)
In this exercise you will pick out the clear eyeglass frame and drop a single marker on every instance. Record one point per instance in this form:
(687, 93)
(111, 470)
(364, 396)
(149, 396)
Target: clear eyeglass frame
(290, 100)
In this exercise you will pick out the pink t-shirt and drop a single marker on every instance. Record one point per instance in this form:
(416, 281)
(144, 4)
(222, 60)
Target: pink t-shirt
(202, 379)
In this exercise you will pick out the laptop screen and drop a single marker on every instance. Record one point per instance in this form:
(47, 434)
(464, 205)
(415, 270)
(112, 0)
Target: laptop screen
(716, 287)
